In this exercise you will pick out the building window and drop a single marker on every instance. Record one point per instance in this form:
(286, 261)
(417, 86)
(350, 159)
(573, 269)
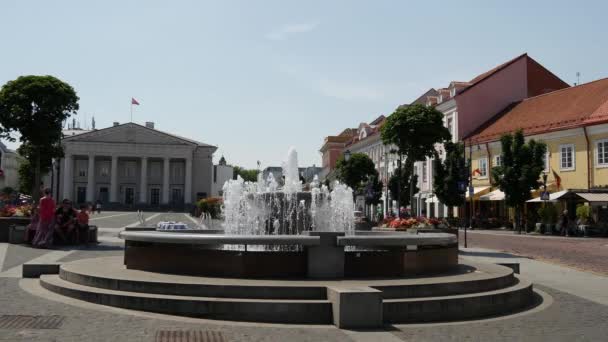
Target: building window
(130, 169)
(177, 172)
(81, 168)
(602, 152)
(155, 168)
(155, 196)
(424, 172)
(567, 162)
(104, 169)
(498, 160)
(483, 167)
(450, 125)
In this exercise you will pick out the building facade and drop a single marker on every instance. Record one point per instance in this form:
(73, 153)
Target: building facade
(133, 165)
(9, 167)
(572, 122)
(468, 105)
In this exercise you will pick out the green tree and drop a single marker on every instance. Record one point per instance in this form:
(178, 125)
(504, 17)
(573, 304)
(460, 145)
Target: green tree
(26, 171)
(415, 130)
(35, 107)
(522, 165)
(450, 176)
(373, 190)
(400, 182)
(355, 172)
(248, 175)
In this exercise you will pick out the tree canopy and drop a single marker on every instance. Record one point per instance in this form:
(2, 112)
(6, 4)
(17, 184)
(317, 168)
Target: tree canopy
(373, 190)
(522, 165)
(355, 172)
(415, 130)
(401, 182)
(248, 175)
(26, 169)
(450, 176)
(36, 107)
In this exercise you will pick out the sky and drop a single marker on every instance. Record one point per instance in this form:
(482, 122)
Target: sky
(256, 77)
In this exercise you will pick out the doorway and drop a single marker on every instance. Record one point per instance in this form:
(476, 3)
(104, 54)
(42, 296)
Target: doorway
(103, 194)
(129, 195)
(81, 194)
(155, 196)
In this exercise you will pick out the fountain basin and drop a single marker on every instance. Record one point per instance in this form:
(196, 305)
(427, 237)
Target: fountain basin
(319, 255)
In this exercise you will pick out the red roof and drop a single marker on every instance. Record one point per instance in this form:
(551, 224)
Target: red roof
(558, 110)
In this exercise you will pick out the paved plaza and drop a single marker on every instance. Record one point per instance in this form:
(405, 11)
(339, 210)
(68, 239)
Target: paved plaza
(575, 306)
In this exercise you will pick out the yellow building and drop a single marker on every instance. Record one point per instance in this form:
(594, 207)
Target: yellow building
(573, 122)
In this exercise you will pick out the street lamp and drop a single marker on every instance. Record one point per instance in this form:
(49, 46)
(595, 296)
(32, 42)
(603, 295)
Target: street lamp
(347, 155)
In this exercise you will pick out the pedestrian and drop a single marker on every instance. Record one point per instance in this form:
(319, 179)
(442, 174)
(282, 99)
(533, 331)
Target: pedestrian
(65, 222)
(98, 206)
(46, 222)
(564, 221)
(82, 225)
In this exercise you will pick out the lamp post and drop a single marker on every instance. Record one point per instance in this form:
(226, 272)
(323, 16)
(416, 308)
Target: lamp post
(347, 155)
(471, 193)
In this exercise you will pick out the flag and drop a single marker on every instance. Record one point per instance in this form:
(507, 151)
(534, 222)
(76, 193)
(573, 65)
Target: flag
(477, 171)
(134, 102)
(558, 179)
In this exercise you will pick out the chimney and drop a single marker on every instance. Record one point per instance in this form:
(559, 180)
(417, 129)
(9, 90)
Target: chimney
(150, 124)
(115, 123)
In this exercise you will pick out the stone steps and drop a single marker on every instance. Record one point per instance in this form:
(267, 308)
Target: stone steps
(460, 307)
(200, 289)
(237, 309)
(474, 291)
(113, 276)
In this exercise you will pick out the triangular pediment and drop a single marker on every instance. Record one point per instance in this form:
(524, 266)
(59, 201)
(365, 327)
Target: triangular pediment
(129, 133)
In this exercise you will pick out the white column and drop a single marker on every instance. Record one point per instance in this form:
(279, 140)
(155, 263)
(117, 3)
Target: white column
(91, 179)
(113, 180)
(143, 182)
(166, 181)
(188, 182)
(67, 177)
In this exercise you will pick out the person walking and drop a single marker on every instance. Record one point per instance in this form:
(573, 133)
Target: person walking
(564, 221)
(98, 206)
(46, 222)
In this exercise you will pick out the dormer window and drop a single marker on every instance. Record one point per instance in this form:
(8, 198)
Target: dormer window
(453, 91)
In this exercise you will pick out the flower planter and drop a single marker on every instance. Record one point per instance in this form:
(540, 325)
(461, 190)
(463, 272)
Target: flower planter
(6, 222)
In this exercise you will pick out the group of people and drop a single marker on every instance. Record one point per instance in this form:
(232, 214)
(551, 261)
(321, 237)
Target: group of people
(63, 225)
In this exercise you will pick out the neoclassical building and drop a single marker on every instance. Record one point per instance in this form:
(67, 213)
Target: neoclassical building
(134, 166)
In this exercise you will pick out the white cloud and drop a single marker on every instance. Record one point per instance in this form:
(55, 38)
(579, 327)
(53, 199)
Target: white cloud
(284, 32)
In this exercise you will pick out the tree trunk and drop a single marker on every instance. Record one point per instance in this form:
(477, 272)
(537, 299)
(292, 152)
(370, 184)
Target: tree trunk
(450, 211)
(518, 218)
(36, 185)
(412, 190)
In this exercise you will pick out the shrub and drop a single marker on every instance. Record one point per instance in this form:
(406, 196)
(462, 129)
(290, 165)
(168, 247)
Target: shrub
(583, 212)
(211, 206)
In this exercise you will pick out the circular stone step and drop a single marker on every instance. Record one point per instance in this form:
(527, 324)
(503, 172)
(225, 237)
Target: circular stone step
(110, 273)
(252, 310)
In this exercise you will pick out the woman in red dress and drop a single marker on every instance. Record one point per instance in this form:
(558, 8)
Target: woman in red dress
(44, 233)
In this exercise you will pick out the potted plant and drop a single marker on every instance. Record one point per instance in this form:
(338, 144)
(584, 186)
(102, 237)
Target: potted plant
(583, 212)
(542, 216)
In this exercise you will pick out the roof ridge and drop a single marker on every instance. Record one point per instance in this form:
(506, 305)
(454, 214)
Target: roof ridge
(565, 89)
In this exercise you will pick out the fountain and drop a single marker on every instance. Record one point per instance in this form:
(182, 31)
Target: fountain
(286, 255)
(264, 208)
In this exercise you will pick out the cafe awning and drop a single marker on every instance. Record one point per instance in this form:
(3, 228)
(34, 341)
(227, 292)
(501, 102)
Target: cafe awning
(495, 195)
(478, 191)
(593, 196)
(553, 197)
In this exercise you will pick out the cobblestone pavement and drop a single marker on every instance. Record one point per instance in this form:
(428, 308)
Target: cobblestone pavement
(588, 254)
(567, 317)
